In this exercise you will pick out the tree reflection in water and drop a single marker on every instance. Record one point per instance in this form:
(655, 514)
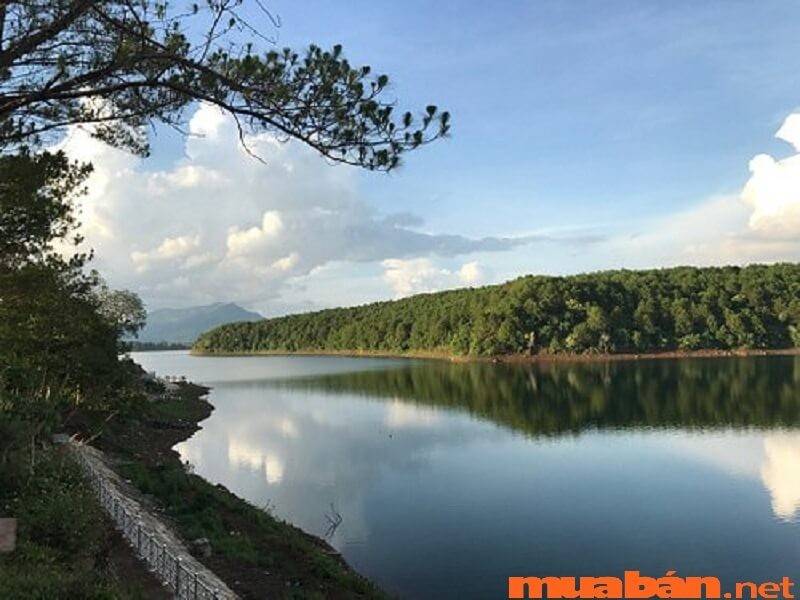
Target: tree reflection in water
(555, 398)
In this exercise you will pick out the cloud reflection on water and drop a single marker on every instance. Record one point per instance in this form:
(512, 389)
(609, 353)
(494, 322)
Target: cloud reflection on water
(780, 472)
(424, 461)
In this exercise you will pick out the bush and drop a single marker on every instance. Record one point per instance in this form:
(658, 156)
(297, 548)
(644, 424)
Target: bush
(62, 533)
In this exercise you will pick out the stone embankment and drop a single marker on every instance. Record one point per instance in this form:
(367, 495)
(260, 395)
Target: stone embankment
(153, 542)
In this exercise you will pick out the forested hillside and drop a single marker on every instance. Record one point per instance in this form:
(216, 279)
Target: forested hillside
(683, 308)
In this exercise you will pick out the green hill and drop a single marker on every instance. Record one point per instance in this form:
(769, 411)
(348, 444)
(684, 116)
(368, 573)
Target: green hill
(683, 308)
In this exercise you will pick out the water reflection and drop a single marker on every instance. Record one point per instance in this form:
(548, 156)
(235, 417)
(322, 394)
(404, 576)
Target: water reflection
(448, 477)
(562, 397)
(252, 457)
(780, 472)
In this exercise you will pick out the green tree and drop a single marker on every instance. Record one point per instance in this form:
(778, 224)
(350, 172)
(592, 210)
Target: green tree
(57, 352)
(117, 67)
(37, 192)
(613, 311)
(123, 309)
(121, 65)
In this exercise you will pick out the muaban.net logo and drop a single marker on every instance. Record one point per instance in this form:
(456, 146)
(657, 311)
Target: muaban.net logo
(635, 585)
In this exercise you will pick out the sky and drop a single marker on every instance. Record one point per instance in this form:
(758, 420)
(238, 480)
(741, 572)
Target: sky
(585, 136)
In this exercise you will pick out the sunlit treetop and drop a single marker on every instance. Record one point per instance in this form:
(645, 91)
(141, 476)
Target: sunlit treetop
(121, 66)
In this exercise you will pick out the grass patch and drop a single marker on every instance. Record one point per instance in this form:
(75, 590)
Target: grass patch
(63, 535)
(181, 406)
(247, 534)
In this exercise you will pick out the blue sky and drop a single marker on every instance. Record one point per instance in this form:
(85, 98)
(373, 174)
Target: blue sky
(570, 113)
(592, 122)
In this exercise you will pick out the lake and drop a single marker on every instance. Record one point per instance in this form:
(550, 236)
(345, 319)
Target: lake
(447, 478)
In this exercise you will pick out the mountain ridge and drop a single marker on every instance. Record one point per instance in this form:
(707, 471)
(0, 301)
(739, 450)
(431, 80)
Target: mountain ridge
(184, 325)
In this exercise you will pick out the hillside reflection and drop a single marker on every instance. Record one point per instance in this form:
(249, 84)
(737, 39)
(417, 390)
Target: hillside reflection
(561, 397)
(461, 472)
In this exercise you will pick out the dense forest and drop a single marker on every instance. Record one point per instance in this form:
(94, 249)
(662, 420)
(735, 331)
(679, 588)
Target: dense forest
(683, 308)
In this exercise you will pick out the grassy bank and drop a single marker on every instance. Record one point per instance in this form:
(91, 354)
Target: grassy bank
(66, 547)
(256, 554)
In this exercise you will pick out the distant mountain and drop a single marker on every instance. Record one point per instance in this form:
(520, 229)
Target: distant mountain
(183, 325)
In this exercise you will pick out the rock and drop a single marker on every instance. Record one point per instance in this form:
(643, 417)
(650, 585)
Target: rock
(8, 535)
(60, 438)
(202, 547)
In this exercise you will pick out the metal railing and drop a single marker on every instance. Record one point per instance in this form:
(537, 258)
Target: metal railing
(150, 546)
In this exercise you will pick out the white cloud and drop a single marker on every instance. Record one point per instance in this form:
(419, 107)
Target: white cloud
(471, 273)
(772, 194)
(790, 131)
(171, 249)
(760, 224)
(219, 225)
(413, 276)
(286, 263)
(207, 122)
(242, 243)
(420, 275)
(773, 191)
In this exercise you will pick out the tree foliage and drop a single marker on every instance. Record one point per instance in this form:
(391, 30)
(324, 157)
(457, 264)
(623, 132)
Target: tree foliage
(36, 206)
(116, 67)
(123, 309)
(120, 65)
(59, 331)
(616, 311)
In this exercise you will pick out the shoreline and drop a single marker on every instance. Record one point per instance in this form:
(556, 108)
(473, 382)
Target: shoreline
(270, 556)
(153, 451)
(542, 358)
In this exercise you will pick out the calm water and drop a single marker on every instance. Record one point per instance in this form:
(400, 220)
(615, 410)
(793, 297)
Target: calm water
(451, 477)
